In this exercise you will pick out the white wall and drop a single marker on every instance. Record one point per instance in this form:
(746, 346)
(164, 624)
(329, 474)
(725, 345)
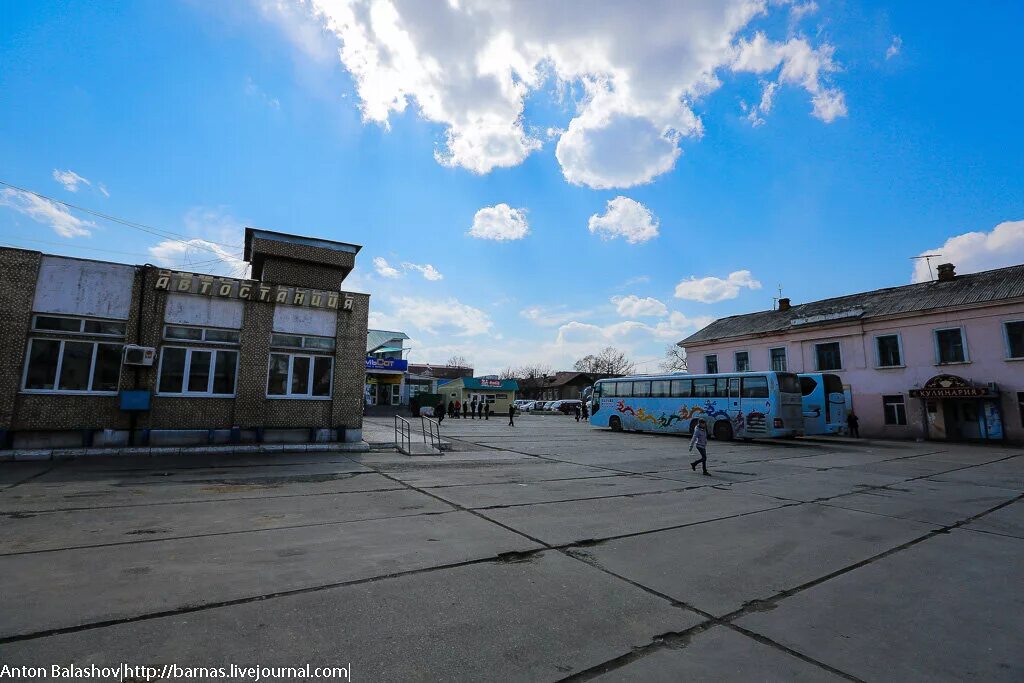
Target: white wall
(89, 288)
(188, 309)
(303, 320)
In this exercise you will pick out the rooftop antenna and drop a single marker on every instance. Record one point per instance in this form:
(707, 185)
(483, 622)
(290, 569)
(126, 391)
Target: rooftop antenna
(775, 299)
(928, 259)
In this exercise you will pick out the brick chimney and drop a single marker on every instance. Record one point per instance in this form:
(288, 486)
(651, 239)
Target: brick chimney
(784, 304)
(946, 272)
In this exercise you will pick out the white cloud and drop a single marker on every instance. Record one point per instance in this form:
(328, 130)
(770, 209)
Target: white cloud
(213, 246)
(428, 271)
(976, 251)
(550, 316)
(632, 306)
(713, 289)
(384, 269)
(255, 91)
(800, 64)
(470, 65)
(69, 179)
(894, 47)
(626, 218)
(500, 222)
(756, 113)
(103, 189)
(799, 11)
(440, 316)
(46, 212)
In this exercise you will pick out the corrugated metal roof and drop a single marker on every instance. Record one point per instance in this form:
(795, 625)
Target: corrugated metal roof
(971, 289)
(378, 338)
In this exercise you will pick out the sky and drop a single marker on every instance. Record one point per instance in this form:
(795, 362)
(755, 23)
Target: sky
(530, 181)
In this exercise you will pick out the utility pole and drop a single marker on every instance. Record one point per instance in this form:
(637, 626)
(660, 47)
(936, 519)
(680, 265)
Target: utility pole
(775, 299)
(928, 259)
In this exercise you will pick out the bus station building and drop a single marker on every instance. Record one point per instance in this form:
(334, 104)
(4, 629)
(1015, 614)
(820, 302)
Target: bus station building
(499, 393)
(96, 353)
(937, 360)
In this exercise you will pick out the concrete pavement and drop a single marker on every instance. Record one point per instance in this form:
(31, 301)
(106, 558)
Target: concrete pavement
(548, 551)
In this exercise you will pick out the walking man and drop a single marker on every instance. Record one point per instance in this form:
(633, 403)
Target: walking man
(700, 440)
(576, 410)
(511, 414)
(584, 411)
(439, 412)
(853, 424)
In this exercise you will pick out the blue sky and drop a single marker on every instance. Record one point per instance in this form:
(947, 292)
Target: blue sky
(814, 145)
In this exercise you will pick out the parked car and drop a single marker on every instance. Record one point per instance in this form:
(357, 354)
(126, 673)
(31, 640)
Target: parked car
(539, 405)
(568, 406)
(523, 405)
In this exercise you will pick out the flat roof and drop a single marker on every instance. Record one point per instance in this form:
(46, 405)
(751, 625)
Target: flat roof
(260, 233)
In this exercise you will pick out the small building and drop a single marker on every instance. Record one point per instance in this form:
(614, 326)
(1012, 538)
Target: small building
(559, 386)
(499, 393)
(386, 369)
(936, 360)
(94, 353)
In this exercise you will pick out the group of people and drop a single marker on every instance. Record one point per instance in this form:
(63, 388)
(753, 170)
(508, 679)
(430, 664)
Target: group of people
(580, 410)
(469, 409)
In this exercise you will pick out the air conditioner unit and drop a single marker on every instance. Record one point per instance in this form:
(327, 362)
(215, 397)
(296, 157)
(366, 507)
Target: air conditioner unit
(139, 355)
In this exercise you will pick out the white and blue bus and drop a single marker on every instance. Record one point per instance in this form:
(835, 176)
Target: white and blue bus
(824, 403)
(742, 404)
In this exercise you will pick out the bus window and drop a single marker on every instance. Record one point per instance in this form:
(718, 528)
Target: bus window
(597, 390)
(755, 387)
(789, 383)
(734, 387)
(704, 388)
(641, 389)
(808, 385)
(682, 388)
(659, 388)
(624, 389)
(833, 385)
(722, 387)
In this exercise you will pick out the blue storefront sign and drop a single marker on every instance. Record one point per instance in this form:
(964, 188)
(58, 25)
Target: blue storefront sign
(393, 364)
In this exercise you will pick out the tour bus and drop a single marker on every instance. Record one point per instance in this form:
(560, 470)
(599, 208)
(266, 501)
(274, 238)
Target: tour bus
(740, 404)
(824, 403)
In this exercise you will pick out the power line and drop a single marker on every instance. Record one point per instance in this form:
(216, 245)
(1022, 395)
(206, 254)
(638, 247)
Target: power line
(158, 232)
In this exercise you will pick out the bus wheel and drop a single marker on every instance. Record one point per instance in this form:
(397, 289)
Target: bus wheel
(723, 431)
(615, 423)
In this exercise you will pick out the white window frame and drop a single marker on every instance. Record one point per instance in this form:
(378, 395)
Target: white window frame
(302, 342)
(1006, 339)
(81, 326)
(885, 403)
(60, 364)
(706, 357)
(188, 369)
(817, 364)
(735, 361)
(202, 337)
(963, 341)
(878, 352)
(288, 382)
(785, 359)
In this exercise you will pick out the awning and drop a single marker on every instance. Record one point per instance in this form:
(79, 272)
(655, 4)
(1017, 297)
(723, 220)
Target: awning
(384, 349)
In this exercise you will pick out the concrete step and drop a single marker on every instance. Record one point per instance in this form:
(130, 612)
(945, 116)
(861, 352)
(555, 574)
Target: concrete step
(419, 449)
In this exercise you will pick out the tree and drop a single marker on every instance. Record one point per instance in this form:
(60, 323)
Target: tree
(508, 373)
(610, 361)
(457, 361)
(533, 371)
(675, 359)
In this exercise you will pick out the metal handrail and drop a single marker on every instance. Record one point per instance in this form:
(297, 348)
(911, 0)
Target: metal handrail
(432, 428)
(403, 435)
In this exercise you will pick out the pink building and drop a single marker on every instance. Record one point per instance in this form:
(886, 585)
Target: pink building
(938, 360)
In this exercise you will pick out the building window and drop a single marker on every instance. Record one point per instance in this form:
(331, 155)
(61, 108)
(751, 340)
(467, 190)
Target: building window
(67, 366)
(197, 372)
(1014, 332)
(777, 358)
(889, 352)
(950, 346)
(300, 341)
(711, 364)
(67, 325)
(828, 356)
(209, 335)
(895, 410)
(742, 361)
(299, 376)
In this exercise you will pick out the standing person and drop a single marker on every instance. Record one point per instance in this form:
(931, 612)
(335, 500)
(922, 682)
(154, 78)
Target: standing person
(576, 410)
(853, 424)
(487, 410)
(700, 440)
(584, 411)
(511, 414)
(472, 407)
(451, 408)
(439, 412)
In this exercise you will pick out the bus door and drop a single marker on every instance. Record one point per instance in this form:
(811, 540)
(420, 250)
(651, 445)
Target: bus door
(735, 409)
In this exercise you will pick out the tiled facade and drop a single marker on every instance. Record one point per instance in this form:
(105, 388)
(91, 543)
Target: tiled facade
(312, 271)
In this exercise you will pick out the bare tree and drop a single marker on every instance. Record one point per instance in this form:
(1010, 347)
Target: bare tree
(675, 359)
(457, 361)
(508, 373)
(610, 361)
(533, 371)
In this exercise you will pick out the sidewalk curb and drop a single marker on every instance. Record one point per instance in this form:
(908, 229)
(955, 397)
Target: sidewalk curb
(247, 449)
